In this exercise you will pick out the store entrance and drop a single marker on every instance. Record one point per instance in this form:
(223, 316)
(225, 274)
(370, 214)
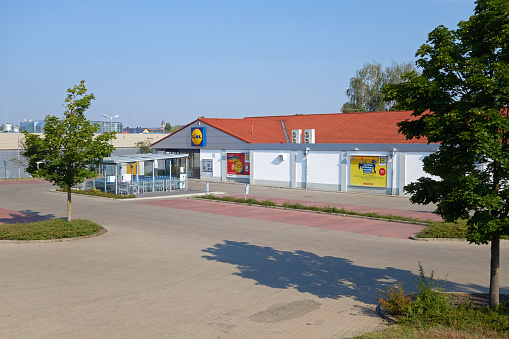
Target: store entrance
(193, 162)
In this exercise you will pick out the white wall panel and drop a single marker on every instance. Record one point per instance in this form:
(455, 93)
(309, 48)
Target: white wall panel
(215, 155)
(324, 168)
(414, 165)
(269, 167)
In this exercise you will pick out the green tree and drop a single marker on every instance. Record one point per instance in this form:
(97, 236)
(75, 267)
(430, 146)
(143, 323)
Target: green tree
(461, 102)
(67, 152)
(143, 146)
(168, 128)
(365, 91)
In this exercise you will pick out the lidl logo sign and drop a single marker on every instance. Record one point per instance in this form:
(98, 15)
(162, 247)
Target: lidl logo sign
(198, 136)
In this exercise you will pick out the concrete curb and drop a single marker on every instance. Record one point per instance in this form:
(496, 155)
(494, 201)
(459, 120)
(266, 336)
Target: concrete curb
(382, 312)
(187, 196)
(101, 231)
(439, 239)
(144, 198)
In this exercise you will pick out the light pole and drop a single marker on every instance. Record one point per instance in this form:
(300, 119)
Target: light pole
(111, 123)
(19, 159)
(19, 167)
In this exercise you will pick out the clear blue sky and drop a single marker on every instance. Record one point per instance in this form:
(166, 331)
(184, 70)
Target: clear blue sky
(177, 60)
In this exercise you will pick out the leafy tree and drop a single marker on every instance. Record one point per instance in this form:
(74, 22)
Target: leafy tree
(69, 149)
(143, 146)
(365, 91)
(461, 101)
(168, 128)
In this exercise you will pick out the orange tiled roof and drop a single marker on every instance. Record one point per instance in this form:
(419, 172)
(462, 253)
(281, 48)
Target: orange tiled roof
(335, 128)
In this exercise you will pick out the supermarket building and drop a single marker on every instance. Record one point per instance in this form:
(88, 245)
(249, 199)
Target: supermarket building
(348, 152)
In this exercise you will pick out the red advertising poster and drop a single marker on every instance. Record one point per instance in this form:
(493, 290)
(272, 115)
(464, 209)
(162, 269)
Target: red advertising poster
(237, 164)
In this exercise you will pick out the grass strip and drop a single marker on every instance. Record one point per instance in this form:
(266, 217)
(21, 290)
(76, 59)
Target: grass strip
(96, 193)
(48, 229)
(434, 229)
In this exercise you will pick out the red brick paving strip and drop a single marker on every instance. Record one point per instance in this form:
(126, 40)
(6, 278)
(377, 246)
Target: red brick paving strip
(22, 181)
(361, 209)
(325, 221)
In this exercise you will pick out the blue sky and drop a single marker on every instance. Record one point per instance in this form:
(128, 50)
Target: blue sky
(177, 60)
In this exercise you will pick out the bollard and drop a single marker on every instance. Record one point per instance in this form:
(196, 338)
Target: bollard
(246, 191)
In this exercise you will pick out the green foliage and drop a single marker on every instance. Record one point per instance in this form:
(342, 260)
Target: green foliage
(365, 91)
(439, 229)
(48, 229)
(395, 300)
(98, 193)
(461, 102)
(69, 149)
(433, 308)
(143, 147)
(431, 303)
(465, 84)
(268, 203)
(168, 128)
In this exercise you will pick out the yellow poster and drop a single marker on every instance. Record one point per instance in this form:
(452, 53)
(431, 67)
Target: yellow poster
(368, 171)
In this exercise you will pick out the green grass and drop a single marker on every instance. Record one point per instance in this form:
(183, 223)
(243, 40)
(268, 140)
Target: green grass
(438, 332)
(48, 229)
(97, 193)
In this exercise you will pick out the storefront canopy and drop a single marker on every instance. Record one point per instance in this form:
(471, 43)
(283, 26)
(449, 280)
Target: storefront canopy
(133, 158)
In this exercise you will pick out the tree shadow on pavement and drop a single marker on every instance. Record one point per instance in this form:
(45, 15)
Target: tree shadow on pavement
(23, 217)
(324, 277)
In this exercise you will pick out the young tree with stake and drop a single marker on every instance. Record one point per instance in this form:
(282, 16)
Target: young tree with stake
(68, 149)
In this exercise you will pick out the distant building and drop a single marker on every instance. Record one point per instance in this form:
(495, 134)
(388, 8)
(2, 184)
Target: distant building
(107, 126)
(37, 126)
(136, 130)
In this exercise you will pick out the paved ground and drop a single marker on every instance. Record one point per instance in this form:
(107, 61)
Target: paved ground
(301, 218)
(173, 272)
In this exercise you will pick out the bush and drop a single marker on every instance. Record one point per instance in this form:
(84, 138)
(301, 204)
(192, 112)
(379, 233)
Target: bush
(268, 203)
(95, 192)
(395, 301)
(48, 229)
(431, 302)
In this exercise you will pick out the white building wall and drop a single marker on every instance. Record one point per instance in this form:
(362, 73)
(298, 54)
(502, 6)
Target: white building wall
(270, 169)
(300, 169)
(324, 170)
(413, 168)
(216, 157)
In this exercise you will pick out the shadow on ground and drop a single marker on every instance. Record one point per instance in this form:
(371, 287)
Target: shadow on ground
(24, 217)
(324, 277)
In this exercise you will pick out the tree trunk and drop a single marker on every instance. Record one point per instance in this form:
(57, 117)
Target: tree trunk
(494, 271)
(69, 206)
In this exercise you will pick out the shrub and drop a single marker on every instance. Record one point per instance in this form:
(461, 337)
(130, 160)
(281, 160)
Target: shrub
(395, 300)
(431, 301)
(252, 201)
(268, 203)
(48, 229)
